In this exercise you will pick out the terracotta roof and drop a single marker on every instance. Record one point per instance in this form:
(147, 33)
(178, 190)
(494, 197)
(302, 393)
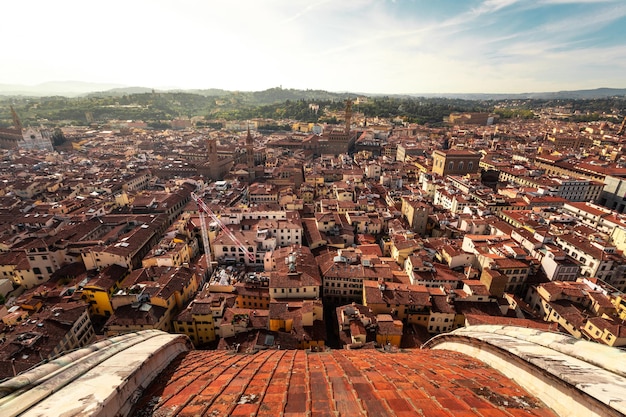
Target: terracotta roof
(340, 382)
(476, 319)
(393, 293)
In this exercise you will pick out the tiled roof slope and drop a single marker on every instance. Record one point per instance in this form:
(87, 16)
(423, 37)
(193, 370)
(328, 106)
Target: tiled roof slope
(334, 383)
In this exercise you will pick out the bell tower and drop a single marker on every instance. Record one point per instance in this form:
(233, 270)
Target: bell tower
(211, 148)
(249, 151)
(17, 123)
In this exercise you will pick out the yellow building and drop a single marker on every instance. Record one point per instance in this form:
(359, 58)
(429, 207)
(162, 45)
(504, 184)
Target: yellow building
(8, 265)
(402, 248)
(389, 331)
(304, 320)
(15, 317)
(196, 321)
(150, 299)
(313, 178)
(620, 305)
(604, 331)
(307, 193)
(99, 289)
(302, 127)
(253, 295)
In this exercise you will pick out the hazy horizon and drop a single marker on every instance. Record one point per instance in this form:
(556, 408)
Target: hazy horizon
(369, 46)
(78, 88)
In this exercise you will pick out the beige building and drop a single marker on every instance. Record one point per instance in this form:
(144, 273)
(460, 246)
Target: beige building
(455, 162)
(416, 213)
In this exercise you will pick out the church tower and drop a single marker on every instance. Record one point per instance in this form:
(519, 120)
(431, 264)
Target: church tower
(250, 151)
(211, 147)
(250, 165)
(17, 123)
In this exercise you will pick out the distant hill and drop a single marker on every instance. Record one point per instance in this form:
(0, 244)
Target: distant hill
(209, 92)
(120, 91)
(573, 94)
(275, 95)
(584, 94)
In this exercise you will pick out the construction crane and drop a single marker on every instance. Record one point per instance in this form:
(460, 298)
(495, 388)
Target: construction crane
(204, 209)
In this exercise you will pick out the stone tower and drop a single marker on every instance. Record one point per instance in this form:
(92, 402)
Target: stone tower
(17, 123)
(348, 116)
(211, 148)
(249, 151)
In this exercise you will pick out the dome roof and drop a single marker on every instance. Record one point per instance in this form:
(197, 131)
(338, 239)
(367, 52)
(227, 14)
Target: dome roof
(480, 370)
(338, 382)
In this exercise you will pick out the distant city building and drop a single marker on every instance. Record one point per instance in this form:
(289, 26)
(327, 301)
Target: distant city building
(36, 139)
(472, 118)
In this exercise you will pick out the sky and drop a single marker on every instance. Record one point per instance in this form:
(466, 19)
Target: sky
(366, 46)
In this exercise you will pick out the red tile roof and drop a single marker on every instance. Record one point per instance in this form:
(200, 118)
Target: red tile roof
(339, 382)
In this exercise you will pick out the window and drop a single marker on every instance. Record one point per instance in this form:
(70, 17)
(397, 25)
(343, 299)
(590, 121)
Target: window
(36, 270)
(470, 165)
(451, 166)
